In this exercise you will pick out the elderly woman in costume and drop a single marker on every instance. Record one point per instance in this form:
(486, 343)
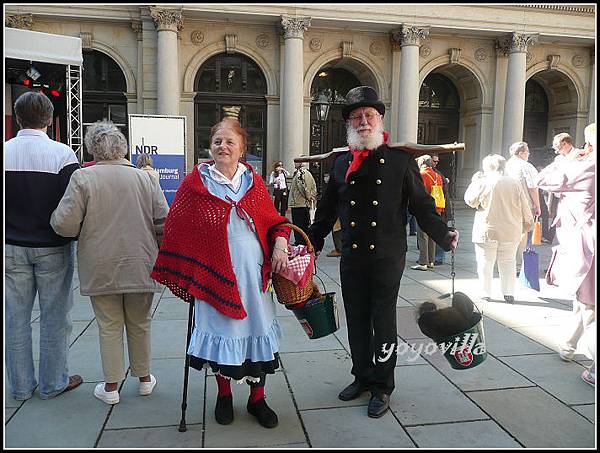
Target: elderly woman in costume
(502, 216)
(572, 178)
(223, 238)
(118, 212)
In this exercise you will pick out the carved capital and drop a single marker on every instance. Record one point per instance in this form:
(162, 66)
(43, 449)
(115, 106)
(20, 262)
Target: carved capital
(396, 40)
(294, 27)
(230, 43)
(553, 61)
(502, 46)
(22, 21)
(518, 42)
(411, 36)
(167, 19)
(137, 27)
(86, 40)
(346, 49)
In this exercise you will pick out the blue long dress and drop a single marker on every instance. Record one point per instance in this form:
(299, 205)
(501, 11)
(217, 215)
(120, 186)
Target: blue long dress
(237, 348)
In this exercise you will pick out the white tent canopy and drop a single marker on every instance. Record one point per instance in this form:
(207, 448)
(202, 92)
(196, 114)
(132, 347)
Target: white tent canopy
(44, 47)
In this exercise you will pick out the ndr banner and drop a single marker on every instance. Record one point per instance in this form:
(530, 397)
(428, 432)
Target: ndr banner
(163, 138)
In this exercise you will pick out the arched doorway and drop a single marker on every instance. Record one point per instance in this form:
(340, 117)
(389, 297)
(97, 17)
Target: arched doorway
(231, 85)
(535, 124)
(335, 83)
(103, 95)
(439, 104)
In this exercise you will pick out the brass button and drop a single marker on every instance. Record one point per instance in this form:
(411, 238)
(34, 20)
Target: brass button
(354, 246)
(375, 202)
(353, 224)
(352, 202)
(382, 161)
(352, 182)
(371, 247)
(378, 181)
(373, 224)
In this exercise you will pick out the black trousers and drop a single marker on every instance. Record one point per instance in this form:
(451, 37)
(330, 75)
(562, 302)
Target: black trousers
(280, 200)
(300, 218)
(370, 291)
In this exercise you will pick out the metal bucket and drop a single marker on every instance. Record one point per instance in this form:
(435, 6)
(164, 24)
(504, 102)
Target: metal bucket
(465, 349)
(319, 317)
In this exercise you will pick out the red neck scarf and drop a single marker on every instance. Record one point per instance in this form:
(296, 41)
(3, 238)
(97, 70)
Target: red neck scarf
(359, 155)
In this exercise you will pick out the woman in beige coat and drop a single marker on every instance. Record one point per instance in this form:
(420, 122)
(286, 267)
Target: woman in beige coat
(118, 212)
(503, 214)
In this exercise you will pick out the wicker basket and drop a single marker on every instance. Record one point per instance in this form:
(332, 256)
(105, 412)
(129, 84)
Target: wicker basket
(287, 292)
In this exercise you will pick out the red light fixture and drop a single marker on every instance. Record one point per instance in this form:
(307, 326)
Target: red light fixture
(27, 82)
(54, 93)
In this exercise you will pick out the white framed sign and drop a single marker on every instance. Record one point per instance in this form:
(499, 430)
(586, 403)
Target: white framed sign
(163, 138)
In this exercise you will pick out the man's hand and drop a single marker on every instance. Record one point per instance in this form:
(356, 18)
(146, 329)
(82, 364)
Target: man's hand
(454, 239)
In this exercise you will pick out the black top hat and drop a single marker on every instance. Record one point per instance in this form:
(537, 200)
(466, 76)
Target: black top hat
(362, 97)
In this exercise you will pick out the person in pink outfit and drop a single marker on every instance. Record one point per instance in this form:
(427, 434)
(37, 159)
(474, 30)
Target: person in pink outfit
(573, 178)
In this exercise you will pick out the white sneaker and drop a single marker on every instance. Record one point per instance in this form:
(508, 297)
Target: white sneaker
(147, 387)
(565, 353)
(419, 267)
(107, 397)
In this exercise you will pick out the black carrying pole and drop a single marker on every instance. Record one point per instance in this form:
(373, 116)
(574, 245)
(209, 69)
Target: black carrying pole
(186, 373)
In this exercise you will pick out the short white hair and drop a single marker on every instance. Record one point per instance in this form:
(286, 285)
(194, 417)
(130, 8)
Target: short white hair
(590, 135)
(105, 141)
(425, 159)
(517, 148)
(493, 163)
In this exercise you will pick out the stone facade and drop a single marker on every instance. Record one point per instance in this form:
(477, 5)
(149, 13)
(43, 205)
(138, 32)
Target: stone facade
(487, 51)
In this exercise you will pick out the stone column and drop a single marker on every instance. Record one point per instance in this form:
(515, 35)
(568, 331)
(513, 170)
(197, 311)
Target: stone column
(293, 102)
(592, 101)
(408, 100)
(514, 101)
(139, 83)
(168, 23)
(394, 113)
(501, 47)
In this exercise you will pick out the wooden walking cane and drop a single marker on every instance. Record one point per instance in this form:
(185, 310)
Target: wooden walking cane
(182, 425)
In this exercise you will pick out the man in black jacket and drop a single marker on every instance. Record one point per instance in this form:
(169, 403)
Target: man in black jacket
(370, 188)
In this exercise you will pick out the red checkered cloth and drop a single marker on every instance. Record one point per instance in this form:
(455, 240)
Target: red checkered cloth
(300, 265)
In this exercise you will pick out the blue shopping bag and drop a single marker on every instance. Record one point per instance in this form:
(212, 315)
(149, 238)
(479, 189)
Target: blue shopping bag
(530, 271)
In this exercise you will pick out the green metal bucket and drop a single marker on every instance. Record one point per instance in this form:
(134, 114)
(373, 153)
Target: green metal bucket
(319, 317)
(465, 349)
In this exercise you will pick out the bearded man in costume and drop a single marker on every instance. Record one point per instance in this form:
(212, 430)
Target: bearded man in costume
(370, 188)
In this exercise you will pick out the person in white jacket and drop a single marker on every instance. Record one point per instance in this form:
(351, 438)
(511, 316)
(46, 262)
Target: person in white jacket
(280, 190)
(503, 215)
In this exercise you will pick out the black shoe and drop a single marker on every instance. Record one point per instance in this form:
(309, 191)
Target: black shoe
(509, 299)
(265, 415)
(224, 410)
(353, 391)
(378, 405)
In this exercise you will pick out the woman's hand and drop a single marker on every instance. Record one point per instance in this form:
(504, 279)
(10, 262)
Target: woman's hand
(279, 259)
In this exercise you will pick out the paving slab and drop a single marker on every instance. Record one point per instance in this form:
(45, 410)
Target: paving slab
(407, 354)
(503, 341)
(316, 378)
(159, 437)
(477, 434)
(70, 426)
(536, 419)
(490, 374)
(559, 378)
(351, 426)
(417, 291)
(550, 337)
(245, 430)
(163, 407)
(423, 395)
(169, 339)
(587, 410)
(406, 323)
(170, 309)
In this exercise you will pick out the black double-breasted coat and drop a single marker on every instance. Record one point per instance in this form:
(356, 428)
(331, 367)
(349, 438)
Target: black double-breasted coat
(372, 208)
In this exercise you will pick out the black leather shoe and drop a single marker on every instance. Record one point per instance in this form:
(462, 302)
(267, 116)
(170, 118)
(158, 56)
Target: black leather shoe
(378, 405)
(265, 415)
(353, 391)
(224, 410)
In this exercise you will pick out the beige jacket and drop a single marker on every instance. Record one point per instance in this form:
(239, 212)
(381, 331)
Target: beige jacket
(503, 212)
(303, 189)
(155, 174)
(119, 213)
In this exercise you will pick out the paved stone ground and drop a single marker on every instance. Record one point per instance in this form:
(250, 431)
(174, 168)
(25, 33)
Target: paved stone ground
(523, 395)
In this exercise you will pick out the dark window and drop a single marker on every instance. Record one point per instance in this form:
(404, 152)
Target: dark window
(231, 85)
(103, 87)
(438, 92)
(535, 124)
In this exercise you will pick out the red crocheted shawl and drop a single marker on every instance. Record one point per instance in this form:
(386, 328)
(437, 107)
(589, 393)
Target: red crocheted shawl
(194, 260)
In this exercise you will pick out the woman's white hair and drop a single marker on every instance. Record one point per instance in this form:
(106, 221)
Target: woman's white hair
(590, 135)
(424, 160)
(517, 148)
(105, 141)
(493, 162)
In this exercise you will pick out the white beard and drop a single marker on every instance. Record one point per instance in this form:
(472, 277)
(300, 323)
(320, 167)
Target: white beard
(373, 141)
